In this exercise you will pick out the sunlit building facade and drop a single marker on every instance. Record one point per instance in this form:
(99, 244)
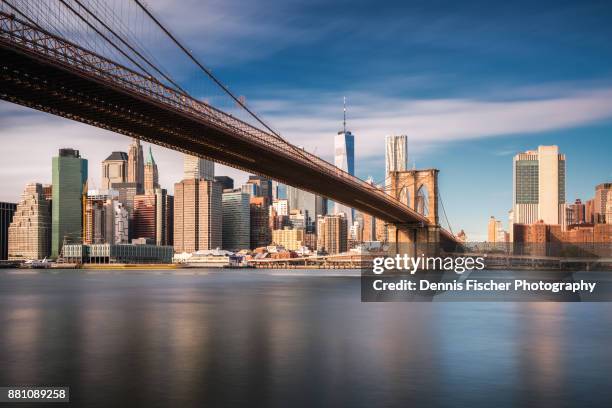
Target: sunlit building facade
(136, 165)
(197, 215)
(260, 231)
(289, 238)
(601, 203)
(151, 174)
(396, 153)
(114, 170)
(145, 216)
(539, 187)
(29, 233)
(197, 168)
(332, 234)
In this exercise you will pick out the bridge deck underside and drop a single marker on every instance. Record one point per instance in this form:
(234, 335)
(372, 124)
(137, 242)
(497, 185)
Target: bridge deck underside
(34, 81)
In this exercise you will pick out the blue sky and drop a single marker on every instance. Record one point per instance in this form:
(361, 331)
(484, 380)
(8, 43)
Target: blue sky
(470, 83)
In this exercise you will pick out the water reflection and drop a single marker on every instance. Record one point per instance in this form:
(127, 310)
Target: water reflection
(261, 339)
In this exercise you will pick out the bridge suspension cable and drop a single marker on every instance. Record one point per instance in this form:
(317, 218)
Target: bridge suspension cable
(239, 101)
(120, 38)
(125, 54)
(207, 71)
(450, 228)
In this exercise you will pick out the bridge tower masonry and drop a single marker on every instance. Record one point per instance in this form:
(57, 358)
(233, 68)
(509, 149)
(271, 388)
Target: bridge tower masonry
(419, 190)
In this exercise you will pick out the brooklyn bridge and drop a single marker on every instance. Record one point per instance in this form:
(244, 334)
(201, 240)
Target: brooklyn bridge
(81, 60)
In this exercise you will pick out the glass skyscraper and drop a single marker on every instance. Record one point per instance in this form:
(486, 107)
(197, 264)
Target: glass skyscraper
(236, 220)
(344, 159)
(309, 204)
(197, 168)
(69, 180)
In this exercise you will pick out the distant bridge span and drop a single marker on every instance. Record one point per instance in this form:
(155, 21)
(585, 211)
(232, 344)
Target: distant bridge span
(45, 72)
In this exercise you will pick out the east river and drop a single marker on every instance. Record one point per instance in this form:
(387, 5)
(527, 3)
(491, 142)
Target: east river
(213, 338)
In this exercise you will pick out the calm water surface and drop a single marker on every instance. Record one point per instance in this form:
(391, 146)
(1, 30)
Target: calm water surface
(289, 339)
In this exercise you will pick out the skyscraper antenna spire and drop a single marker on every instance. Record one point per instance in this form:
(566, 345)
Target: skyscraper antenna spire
(344, 120)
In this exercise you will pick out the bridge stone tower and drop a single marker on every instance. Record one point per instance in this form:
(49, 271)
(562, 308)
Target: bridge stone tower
(419, 190)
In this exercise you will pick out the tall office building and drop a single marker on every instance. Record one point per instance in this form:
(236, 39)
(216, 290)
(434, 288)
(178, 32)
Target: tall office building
(114, 169)
(106, 219)
(261, 234)
(48, 193)
(298, 219)
(279, 190)
(396, 153)
(576, 213)
(251, 189)
(281, 207)
(344, 159)
(151, 174)
(264, 186)
(69, 181)
(29, 233)
(332, 234)
(197, 215)
(355, 233)
(226, 182)
(589, 211)
(197, 168)
(310, 240)
(136, 165)
(127, 192)
(164, 217)
(117, 222)
(311, 205)
(94, 222)
(495, 231)
(492, 229)
(153, 216)
(145, 216)
(539, 187)
(603, 195)
(236, 220)
(6, 216)
(276, 220)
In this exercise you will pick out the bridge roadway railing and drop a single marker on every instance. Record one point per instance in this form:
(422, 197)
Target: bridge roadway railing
(23, 35)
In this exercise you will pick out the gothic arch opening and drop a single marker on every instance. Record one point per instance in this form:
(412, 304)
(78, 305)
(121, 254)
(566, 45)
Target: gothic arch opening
(404, 196)
(422, 200)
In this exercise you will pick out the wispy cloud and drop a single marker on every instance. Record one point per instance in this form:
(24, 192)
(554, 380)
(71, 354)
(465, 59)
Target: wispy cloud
(226, 32)
(505, 152)
(311, 121)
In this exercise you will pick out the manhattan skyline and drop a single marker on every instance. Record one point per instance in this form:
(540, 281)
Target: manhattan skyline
(470, 88)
